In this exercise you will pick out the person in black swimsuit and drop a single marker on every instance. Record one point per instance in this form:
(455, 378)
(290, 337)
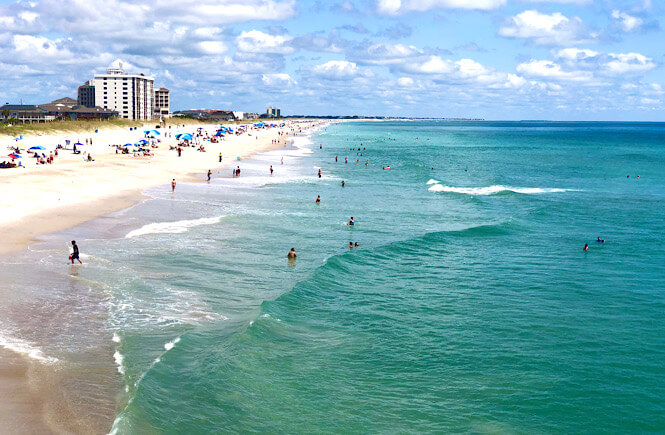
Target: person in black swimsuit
(75, 254)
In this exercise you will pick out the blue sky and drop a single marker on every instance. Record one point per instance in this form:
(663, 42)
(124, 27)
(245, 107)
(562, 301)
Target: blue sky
(493, 59)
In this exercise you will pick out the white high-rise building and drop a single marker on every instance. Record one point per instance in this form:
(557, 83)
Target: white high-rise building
(131, 95)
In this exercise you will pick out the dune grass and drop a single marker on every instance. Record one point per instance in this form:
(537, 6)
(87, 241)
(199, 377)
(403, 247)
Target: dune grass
(81, 126)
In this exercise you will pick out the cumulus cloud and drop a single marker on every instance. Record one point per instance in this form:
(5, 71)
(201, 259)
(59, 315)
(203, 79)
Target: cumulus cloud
(338, 70)
(626, 22)
(546, 69)
(255, 41)
(544, 29)
(280, 80)
(396, 7)
(385, 54)
(628, 63)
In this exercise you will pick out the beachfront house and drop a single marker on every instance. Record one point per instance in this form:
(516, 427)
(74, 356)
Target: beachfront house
(24, 113)
(68, 108)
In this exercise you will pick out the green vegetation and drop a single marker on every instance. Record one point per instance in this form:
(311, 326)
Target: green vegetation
(83, 125)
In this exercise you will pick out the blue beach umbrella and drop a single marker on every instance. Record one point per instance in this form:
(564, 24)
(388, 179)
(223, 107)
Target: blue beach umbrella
(143, 141)
(38, 147)
(187, 136)
(128, 145)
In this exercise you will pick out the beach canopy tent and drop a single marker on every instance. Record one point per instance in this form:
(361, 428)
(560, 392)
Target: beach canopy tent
(38, 147)
(19, 138)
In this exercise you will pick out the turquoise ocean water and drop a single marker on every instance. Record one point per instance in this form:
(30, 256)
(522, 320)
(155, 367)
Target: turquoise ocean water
(469, 305)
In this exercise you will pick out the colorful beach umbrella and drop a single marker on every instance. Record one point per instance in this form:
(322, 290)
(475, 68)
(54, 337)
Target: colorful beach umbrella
(38, 147)
(14, 156)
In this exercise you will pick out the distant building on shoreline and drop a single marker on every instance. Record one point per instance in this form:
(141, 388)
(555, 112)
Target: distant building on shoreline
(133, 96)
(63, 108)
(273, 112)
(162, 103)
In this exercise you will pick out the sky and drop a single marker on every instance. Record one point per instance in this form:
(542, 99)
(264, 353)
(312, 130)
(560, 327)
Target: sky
(491, 59)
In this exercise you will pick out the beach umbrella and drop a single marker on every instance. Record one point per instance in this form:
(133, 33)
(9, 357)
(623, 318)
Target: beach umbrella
(143, 141)
(38, 147)
(14, 156)
(177, 136)
(155, 132)
(128, 145)
(18, 138)
(78, 144)
(187, 136)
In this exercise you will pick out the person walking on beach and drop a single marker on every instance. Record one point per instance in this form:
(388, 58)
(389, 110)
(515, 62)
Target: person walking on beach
(292, 253)
(209, 174)
(75, 253)
(173, 185)
(271, 170)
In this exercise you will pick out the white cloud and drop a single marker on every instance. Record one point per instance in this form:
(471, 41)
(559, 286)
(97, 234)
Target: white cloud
(395, 7)
(386, 54)
(627, 23)
(256, 41)
(338, 70)
(544, 29)
(280, 80)
(547, 69)
(628, 63)
(211, 47)
(576, 54)
(406, 82)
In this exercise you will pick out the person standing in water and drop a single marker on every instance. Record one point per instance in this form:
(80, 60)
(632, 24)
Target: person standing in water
(318, 199)
(292, 253)
(319, 173)
(75, 253)
(209, 174)
(350, 222)
(350, 245)
(173, 185)
(343, 183)
(586, 247)
(271, 170)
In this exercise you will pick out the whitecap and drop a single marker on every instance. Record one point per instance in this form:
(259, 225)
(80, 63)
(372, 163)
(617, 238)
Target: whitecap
(171, 344)
(172, 227)
(119, 358)
(491, 190)
(432, 181)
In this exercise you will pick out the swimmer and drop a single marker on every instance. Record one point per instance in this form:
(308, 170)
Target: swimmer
(335, 159)
(350, 245)
(350, 222)
(318, 199)
(586, 247)
(271, 171)
(292, 253)
(356, 244)
(343, 183)
(600, 240)
(319, 173)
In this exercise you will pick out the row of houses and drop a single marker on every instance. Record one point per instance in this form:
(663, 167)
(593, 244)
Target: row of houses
(216, 115)
(63, 108)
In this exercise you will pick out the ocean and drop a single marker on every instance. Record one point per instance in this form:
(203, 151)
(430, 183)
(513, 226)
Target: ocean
(468, 305)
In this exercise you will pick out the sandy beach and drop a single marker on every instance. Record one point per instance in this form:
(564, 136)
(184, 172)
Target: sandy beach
(40, 199)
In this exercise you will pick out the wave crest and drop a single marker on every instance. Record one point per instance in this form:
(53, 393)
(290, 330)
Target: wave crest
(172, 227)
(491, 190)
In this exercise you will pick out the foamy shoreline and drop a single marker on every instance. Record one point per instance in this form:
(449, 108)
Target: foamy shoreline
(44, 199)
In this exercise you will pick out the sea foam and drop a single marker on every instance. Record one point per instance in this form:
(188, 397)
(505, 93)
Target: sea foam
(26, 348)
(172, 227)
(491, 190)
